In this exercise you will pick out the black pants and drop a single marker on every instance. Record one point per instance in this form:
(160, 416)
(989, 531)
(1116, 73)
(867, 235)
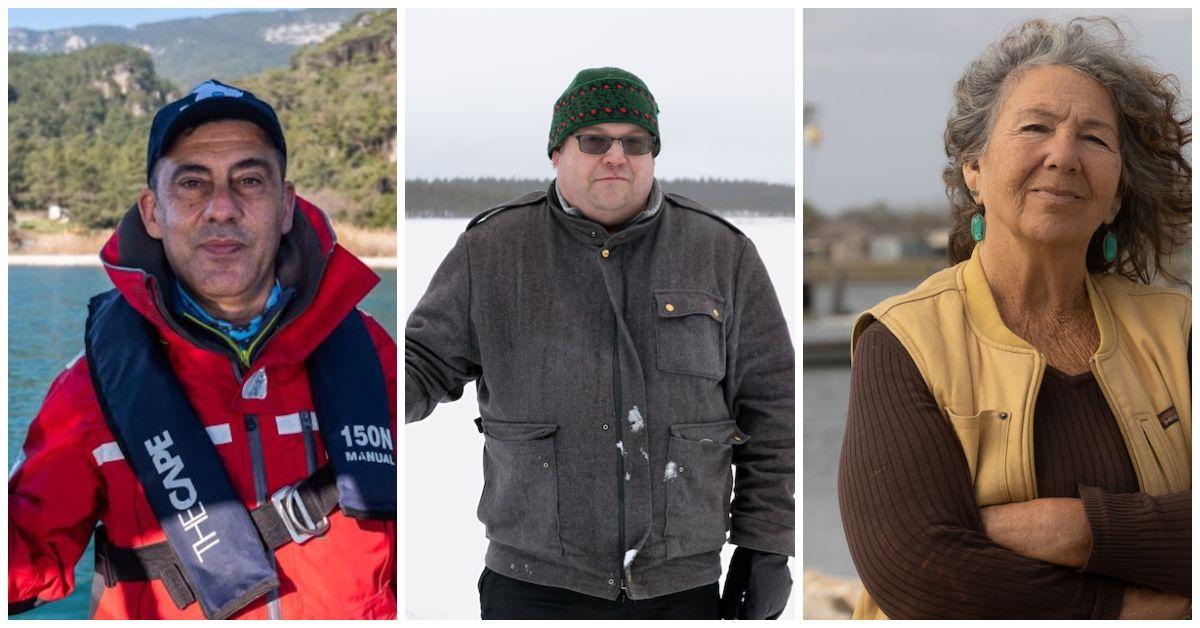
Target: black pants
(501, 597)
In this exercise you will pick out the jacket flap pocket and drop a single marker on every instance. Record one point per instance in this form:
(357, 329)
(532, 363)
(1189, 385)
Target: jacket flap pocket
(966, 428)
(1168, 460)
(719, 433)
(984, 440)
(675, 303)
(518, 431)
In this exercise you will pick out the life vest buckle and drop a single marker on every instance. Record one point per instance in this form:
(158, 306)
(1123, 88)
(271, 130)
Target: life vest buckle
(296, 518)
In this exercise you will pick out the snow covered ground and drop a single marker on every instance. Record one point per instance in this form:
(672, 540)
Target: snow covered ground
(444, 544)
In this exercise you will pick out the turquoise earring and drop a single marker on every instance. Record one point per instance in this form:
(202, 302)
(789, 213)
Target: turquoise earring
(1110, 246)
(977, 225)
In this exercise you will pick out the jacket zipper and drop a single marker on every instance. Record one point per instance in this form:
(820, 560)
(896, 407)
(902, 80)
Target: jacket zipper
(1040, 363)
(243, 355)
(616, 373)
(260, 495)
(1118, 412)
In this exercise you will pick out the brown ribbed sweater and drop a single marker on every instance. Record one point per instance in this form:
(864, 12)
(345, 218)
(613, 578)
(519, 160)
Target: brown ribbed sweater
(914, 530)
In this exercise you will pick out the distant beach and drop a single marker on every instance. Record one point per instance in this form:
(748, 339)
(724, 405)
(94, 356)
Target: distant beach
(54, 260)
(94, 260)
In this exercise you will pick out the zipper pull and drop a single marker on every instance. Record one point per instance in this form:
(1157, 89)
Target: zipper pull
(623, 596)
(237, 371)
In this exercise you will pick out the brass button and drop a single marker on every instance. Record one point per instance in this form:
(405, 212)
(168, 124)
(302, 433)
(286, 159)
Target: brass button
(604, 253)
(737, 438)
(716, 313)
(670, 308)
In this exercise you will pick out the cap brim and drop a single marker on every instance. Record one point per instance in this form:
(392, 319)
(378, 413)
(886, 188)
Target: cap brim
(218, 109)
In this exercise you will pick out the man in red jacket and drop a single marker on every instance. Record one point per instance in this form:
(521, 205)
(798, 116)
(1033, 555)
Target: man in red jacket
(230, 423)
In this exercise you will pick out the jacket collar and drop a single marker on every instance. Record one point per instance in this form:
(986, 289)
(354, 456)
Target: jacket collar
(653, 204)
(982, 309)
(594, 233)
(328, 280)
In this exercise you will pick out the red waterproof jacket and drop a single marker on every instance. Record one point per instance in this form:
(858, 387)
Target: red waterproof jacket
(72, 474)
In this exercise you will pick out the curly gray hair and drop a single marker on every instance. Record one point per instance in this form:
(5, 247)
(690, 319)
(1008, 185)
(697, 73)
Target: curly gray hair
(1156, 178)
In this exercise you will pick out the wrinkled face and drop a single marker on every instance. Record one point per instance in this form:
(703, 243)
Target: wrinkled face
(1053, 161)
(608, 189)
(220, 207)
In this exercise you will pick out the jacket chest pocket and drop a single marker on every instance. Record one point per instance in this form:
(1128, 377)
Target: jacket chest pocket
(519, 505)
(699, 484)
(689, 327)
(1169, 453)
(984, 440)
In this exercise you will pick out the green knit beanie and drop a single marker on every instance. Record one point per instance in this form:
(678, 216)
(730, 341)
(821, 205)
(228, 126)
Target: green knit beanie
(599, 95)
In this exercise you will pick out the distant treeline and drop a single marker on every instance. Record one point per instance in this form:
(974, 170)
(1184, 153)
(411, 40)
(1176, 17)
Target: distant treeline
(449, 198)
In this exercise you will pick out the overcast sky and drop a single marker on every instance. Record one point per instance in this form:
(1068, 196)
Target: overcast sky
(881, 82)
(481, 85)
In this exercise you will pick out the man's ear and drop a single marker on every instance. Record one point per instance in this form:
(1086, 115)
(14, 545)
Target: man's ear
(147, 204)
(289, 206)
(554, 158)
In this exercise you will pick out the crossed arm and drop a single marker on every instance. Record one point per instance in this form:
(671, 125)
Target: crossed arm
(1057, 530)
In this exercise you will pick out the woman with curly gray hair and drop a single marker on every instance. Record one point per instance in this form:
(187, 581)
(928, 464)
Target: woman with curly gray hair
(1069, 190)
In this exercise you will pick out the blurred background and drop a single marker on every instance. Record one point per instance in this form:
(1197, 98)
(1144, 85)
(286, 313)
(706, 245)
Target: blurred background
(480, 87)
(877, 90)
(83, 88)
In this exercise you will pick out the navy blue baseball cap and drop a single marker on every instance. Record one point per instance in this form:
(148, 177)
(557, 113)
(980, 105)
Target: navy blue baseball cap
(210, 100)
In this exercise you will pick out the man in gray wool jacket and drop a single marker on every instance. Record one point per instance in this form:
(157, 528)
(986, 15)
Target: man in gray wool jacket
(628, 351)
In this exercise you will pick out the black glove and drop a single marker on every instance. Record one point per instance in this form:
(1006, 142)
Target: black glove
(757, 586)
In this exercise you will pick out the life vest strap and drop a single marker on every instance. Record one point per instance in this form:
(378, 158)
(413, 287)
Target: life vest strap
(318, 493)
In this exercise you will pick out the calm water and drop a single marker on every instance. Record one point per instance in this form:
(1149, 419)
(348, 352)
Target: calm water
(47, 307)
(826, 397)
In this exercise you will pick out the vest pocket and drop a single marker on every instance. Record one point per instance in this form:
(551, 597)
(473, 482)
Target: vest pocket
(519, 505)
(689, 328)
(1171, 462)
(699, 484)
(967, 430)
(984, 440)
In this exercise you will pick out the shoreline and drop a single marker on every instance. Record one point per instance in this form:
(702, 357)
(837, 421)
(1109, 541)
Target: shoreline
(828, 596)
(94, 260)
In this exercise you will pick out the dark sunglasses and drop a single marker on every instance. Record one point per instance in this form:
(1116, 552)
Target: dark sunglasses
(599, 144)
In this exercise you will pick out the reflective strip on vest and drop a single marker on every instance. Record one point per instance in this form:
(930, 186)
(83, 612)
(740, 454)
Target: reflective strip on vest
(290, 423)
(111, 451)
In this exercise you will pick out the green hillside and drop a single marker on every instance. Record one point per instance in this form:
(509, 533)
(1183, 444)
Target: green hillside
(78, 124)
(190, 50)
(343, 121)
